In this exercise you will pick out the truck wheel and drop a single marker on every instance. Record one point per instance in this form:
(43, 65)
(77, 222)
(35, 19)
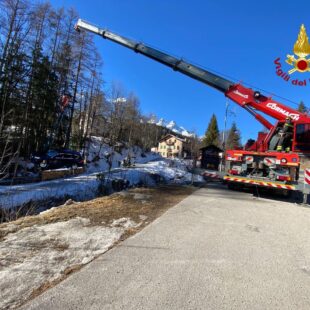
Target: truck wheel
(286, 193)
(231, 186)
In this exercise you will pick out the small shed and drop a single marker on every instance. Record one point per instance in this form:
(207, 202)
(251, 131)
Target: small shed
(210, 157)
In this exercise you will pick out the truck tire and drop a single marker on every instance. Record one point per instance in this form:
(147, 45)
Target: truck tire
(232, 186)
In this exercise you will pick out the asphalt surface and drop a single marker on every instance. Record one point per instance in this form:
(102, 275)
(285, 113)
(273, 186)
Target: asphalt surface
(217, 249)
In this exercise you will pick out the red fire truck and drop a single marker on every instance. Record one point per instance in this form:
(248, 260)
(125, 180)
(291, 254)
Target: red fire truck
(262, 164)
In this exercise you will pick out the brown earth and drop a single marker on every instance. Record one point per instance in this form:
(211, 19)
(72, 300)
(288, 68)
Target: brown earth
(140, 204)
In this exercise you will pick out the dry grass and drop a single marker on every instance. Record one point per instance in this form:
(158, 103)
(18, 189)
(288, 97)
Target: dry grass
(47, 285)
(150, 202)
(142, 205)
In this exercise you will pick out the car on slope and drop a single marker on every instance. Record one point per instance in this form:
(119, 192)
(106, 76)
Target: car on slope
(55, 159)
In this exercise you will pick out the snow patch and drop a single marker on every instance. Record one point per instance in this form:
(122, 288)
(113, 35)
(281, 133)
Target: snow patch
(39, 254)
(102, 157)
(85, 186)
(124, 222)
(143, 217)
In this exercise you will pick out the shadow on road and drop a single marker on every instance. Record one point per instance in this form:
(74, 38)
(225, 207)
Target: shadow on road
(238, 192)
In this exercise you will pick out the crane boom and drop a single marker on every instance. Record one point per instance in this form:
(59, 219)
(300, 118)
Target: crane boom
(252, 101)
(263, 159)
(176, 64)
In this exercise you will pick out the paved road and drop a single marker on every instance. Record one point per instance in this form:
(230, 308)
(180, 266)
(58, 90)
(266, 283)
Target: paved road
(217, 249)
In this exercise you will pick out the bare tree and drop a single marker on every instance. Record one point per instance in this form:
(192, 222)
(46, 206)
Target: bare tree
(13, 33)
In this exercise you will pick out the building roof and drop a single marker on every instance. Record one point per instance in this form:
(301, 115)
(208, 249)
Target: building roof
(168, 136)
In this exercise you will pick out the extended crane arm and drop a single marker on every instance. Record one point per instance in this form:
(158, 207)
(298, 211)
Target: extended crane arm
(245, 97)
(176, 64)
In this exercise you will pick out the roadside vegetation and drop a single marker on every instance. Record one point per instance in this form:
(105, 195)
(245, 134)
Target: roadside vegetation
(39, 251)
(44, 62)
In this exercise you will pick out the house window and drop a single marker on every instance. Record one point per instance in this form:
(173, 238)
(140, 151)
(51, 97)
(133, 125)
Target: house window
(178, 148)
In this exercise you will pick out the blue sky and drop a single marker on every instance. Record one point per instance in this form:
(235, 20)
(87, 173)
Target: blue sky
(240, 39)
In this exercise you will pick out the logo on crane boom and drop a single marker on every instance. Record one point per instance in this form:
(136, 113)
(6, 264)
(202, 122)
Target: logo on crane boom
(274, 106)
(237, 92)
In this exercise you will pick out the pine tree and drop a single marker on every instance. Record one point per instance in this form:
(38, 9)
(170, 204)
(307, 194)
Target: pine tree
(212, 133)
(233, 139)
(301, 107)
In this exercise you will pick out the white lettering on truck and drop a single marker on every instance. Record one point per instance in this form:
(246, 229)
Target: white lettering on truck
(274, 106)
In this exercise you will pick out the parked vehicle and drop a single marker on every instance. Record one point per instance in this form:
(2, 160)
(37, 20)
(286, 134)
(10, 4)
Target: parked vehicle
(55, 159)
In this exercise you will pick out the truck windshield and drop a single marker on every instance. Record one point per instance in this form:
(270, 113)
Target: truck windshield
(302, 135)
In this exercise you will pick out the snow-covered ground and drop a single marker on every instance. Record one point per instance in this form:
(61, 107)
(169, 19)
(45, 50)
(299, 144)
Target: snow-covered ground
(101, 156)
(80, 188)
(173, 170)
(85, 186)
(36, 255)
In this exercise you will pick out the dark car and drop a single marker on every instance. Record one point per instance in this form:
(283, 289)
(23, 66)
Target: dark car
(55, 159)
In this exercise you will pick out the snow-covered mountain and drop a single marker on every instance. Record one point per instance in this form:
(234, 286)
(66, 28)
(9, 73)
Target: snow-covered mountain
(172, 126)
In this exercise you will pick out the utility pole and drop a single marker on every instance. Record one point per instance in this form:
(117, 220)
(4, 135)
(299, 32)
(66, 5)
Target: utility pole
(225, 123)
(224, 135)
